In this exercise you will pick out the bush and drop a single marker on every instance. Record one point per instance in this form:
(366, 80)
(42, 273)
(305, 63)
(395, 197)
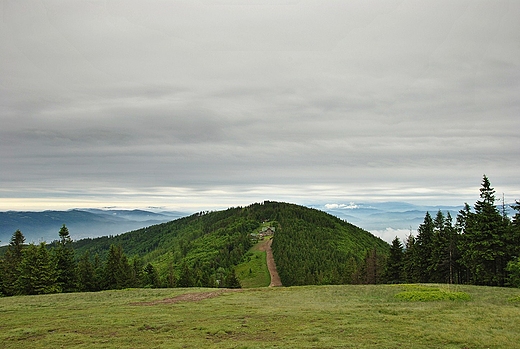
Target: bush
(513, 268)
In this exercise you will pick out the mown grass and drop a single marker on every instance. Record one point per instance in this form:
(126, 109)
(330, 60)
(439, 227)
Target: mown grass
(253, 272)
(421, 293)
(361, 316)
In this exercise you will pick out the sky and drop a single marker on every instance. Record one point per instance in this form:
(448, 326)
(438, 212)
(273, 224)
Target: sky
(195, 105)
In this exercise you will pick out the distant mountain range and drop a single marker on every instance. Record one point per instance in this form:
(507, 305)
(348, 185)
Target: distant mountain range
(386, 219)
(82, 223)
(383, 219)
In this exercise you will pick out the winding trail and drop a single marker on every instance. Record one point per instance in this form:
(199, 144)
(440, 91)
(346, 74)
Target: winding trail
(275, 278)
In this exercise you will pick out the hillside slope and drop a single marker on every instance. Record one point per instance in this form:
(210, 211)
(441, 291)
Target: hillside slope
(310, 246)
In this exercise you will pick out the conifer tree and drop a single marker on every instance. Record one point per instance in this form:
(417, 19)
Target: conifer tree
(411, 272)
(424, 246)
(231, 280)
(65, 262)
(37, 271)
(117, 270)
(11, 262)
(394, 266)
(185, 277)
(484, 240)
(86, 274)
(151, 277)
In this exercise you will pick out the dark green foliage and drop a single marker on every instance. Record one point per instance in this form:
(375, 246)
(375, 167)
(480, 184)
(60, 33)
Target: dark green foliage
(86, 274)
(37, 271)
(65, 262)
(203, 249)
(231, 280)
(482, 248)
(444, 255)
(394, 265)
(484, 240)
(424, 245)
(151, 277)
(312, 247)
(513, 267)
(9, 266)
(117, 273)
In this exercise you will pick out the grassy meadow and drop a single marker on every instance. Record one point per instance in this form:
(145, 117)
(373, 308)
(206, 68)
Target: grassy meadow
(253, 272)
(350, 316)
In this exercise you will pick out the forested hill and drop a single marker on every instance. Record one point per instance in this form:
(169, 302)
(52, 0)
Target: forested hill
(310, 246)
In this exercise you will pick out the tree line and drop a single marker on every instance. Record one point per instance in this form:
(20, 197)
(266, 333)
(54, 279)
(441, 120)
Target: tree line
(42, 269)
(482, 246)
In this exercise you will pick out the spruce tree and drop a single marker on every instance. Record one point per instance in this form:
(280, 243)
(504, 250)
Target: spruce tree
(37, 271)
(117, 270)
(411, 272)
(485, 250)
(151, 277)
(11, 262)
(65, 262)
(394, 266)
(231, 280)
(424, 247)
(86, 274)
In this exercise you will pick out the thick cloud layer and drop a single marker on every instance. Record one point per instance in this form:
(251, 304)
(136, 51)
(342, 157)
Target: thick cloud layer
(216, 103)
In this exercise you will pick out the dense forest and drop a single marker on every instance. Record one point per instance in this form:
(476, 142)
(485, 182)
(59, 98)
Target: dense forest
(200, 250)
(481, 247)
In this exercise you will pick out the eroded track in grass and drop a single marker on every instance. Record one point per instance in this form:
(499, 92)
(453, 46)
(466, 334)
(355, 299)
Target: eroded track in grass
(271, 265)
(189, 297)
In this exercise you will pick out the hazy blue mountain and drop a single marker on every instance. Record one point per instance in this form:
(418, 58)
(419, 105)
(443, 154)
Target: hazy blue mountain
(386, 219)
(82, 223)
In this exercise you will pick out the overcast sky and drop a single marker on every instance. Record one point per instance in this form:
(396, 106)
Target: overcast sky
(207, 104)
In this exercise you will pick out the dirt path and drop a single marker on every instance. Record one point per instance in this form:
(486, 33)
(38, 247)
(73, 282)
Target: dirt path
(275, 278)
(189, 297)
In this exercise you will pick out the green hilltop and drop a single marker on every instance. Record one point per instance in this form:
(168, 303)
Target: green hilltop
(309, 246)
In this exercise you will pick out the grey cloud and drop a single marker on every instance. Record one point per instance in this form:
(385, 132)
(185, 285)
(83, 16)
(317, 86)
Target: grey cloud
(361, 96)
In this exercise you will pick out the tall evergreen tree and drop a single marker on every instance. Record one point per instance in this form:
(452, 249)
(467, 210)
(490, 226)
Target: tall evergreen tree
(86, 274)
(424, 247)
(411, 272)
(151, 277)
(117, 271)
(485, 251)
(65, 262)
(10, 265)
(37, 271)
(231, 280)
(394, 266)
(444, 251)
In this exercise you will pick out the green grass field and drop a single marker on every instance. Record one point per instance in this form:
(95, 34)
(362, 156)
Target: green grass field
(349, 316)
(253, 272)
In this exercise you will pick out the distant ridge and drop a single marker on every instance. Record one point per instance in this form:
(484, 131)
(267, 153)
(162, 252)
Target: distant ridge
(82, 223)
(309, 246)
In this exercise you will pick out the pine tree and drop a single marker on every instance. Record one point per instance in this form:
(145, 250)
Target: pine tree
(485, 251)
(37, 271)
(185, 277)
(11, 262)
(117, 271)
(424, 247)
(151, 277)
(231, 280)
(137, 273)
(394, 266)
(86, 274)
(411, 272)
(65, 262)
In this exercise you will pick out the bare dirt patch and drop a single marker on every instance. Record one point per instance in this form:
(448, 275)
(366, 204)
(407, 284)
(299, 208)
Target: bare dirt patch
(189, 297)
(271, 265)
